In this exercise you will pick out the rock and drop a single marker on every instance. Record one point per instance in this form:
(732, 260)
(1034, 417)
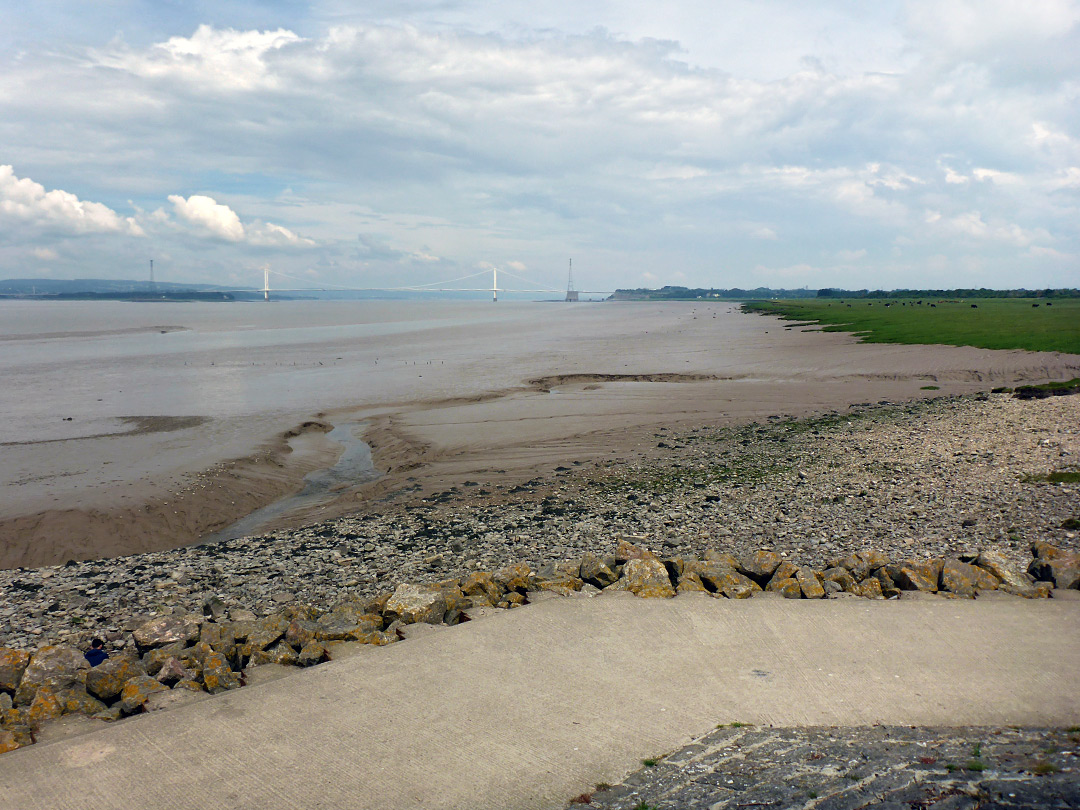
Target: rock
(265, 632)
(214, 608)
(172, 671)
(785, 570)
(727, 581)
(107, 679)
(811, 586)
(516, 577)
(841, 576)
(169, 629)
(627, 551)
(154, 659)
(1042, 590)
(1004, 570)
(300, 632)
(55, 666)
(917, 576)
(45, 706)
(482, 583)
(690, 582)
(789, 588)
(959, 578)
(760, 565)
(869, 588)
(217, 676)
(136, 691)
(312, 654)
(416, 603)
(647, 578)
(341, 630)
(872, 559)
(722, 558)
(594, 571)
(8, 741)
(563, 586)
(1054, 565)
(75, 700)
(12, 665)
(831, 588)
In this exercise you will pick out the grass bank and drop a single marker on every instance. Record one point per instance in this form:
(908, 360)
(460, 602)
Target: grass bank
(988, 323)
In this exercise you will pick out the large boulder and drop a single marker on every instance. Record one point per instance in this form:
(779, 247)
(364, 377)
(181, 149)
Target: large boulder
(648, 578)
(595, 571)
(217, 676)
(136, 691)
(1052, 564)
(869, 588)
(107, 679)
(1006, 571)
(169, 629)
(841, 576)
(481, 584)
(788, 588)
(416, 603)
(760, 565)
(265, 632)
(627, 551)
(56, 666)
(690, 582)
(516, 577)
(959, 578)
(810, 584)
(913, 575)
(784, 571)
(12, 666)
(727, 581)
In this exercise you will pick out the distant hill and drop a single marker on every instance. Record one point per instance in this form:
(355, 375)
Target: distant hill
(766, 293)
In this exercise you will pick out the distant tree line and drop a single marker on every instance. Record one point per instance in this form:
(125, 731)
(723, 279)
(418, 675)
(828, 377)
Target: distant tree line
(683, 293)
(832, 292)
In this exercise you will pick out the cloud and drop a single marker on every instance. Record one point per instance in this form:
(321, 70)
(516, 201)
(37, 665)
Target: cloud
(29, 204)
(209, 215)
(219, 221)
(45, 254)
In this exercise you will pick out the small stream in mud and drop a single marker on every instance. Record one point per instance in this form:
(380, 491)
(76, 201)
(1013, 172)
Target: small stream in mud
(353, 467)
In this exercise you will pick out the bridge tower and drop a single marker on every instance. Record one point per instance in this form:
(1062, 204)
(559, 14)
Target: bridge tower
(571, 293)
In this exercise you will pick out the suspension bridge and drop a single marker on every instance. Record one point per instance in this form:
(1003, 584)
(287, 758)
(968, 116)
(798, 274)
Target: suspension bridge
(434, 287)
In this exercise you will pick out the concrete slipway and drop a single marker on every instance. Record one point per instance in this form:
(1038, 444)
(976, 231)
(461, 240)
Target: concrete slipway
(531, 707)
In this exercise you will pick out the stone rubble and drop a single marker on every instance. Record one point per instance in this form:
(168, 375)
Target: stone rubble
(739, 766)
(939, 496)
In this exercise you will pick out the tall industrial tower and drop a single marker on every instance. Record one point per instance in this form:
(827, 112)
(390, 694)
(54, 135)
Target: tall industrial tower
(571, 293)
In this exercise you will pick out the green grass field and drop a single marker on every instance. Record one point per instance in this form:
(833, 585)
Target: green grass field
(993, 323)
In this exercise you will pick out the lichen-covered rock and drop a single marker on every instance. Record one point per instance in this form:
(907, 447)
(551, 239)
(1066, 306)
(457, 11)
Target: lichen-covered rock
(45, 706)
(721, 558)
(416, 603)
(339, 630)
(648, 578)
(12, 666)
(153, 660)
(810, 584)
(265, 632)
(564, 586)
(8, 741)
(959, 578)
(869, 588)
(912, 575)
(871, 559)
(75, 700)
(1042, 590)
(56, 666)
(1052, 564)
(217, 676)
(300, 632)
(136, 691)
(169, 629)
(1007, 572)
(727, 581)
(627, 551)
(595, 571)
(841, 576)
(516, 577)
(785, 570)
(173, 671)
(788, 588)
(690, 582)
(107, 679)
(482, 584)
(760, 565)
(312, 654)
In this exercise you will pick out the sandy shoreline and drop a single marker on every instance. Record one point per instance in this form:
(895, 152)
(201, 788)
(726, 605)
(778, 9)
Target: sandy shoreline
(605, 402)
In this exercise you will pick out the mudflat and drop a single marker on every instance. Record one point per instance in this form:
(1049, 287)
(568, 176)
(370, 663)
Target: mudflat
(135, 427)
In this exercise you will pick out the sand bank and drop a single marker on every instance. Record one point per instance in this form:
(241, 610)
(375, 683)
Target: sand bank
(498, 399)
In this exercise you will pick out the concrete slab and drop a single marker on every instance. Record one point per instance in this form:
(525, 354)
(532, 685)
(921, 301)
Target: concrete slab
(532, 708)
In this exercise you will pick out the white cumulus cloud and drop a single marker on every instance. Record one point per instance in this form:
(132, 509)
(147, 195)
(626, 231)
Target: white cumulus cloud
(28, 203)
(209, 215)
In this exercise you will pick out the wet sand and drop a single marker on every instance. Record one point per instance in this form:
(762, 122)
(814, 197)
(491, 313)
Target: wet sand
(490, 394)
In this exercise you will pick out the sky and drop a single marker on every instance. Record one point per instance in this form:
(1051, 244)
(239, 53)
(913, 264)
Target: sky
(711, 143)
